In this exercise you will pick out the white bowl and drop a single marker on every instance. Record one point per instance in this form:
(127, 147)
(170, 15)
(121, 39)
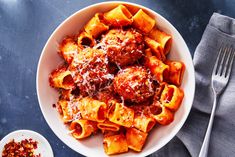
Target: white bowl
(47, 96)
(43, 146)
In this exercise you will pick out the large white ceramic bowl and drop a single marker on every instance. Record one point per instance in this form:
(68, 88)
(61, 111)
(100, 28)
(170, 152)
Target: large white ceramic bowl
(47, 96)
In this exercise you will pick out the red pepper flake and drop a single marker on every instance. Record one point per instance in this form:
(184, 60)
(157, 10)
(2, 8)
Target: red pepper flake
(24, 148)
(54, 105)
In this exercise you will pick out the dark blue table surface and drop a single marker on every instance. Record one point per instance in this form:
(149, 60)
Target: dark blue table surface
(25, 26)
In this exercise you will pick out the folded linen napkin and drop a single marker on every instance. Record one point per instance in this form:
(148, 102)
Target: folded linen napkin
(221, 29)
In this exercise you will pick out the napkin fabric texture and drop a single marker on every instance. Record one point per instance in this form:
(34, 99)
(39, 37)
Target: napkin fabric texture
(220, 30)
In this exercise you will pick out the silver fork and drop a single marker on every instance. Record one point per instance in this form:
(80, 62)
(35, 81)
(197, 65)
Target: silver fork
(219, 80)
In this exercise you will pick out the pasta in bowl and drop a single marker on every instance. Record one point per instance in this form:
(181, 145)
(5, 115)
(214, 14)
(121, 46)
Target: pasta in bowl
(123, 80)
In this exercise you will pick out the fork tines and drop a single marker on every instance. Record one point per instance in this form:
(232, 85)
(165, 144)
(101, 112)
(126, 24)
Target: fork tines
(224, 61)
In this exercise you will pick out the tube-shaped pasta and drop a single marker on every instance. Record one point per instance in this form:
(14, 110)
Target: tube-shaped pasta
(120, 114)
(158, 91)
(107, 125)
(107, 133)
(95, 26)
(172, 97)
(115, 144)
(85, 39)
(61, 78)
(176, 72)
(143, 21)
(155, 47)
(144, 123)
(69, 110)
(68, 48)
(82, 128)
(119, 16)
(135, 139)
(161, 37)
(157, 67)
(92, 109)
(165, 117)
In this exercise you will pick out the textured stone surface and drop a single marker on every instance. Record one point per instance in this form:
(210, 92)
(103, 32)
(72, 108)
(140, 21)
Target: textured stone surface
(25, 27)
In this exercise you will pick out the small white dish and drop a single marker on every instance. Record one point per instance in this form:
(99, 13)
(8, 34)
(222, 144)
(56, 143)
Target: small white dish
(43, 148)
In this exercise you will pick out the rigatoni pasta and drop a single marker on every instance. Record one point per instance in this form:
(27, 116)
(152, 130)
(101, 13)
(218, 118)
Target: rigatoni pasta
(120, 114)
(135, 139)
(116, 78)
(107, 125)
(161, 37)
(144, 123)
(143, 21)
(68, 49)
(115, 144)
(165, 117)
(119, 16)
(92, 109)
(176, 72)
(157, 67)
(84, 40)
(155, 48)
(61, 78)
(95, 26)
(69, 110)
(171, 97)
(82, 128)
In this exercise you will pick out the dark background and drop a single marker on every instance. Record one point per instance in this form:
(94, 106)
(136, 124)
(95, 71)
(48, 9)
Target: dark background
(25, 26)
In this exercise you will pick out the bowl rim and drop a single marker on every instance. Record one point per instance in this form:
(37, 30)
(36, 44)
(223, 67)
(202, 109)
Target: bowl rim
(178, 126)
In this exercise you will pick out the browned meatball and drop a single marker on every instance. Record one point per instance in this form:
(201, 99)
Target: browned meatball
(90, 71)
(124, 47)
(134, 84)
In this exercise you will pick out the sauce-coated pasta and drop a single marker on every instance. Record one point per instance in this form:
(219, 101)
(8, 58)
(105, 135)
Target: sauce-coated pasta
(116, 79)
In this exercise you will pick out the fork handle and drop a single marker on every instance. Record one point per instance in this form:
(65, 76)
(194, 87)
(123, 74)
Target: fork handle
(206, 142)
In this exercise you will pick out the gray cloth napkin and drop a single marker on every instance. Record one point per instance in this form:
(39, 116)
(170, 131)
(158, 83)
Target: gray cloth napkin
(221, 29)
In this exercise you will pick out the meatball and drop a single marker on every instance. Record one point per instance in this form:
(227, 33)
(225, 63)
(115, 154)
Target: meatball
(90, 71)
(134, 84)
(124, 47)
